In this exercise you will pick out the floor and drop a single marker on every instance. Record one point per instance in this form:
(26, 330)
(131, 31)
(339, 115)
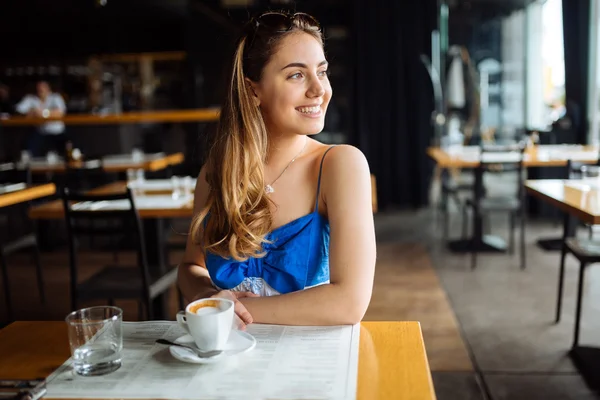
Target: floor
(489, 333)
(505, 314)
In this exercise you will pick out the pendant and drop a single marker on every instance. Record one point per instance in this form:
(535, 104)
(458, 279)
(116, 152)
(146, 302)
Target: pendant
(269, 189)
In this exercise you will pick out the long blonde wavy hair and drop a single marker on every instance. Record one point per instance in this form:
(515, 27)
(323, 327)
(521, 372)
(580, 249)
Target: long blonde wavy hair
(237, 216)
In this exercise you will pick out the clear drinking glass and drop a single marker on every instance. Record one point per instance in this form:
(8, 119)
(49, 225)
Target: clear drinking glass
(137, 155)
(52, 157)
(131, 175)
(590, 172)
(96, 339)
(140, 177)
(187, 185)
(25, 156)
(176, 187)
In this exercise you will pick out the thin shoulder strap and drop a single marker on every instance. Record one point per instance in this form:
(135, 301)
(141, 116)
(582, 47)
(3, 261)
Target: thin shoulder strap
(319, 181)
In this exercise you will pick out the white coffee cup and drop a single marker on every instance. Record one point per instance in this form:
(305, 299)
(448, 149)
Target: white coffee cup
(209, 322)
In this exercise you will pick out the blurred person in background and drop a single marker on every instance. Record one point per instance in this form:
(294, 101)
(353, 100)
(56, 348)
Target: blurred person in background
(45, 104)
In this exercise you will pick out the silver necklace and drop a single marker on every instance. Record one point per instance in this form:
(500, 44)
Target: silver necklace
(269, 187)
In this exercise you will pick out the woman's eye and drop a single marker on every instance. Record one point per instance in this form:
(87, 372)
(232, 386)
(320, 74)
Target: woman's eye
(297, 75)
(324, 73)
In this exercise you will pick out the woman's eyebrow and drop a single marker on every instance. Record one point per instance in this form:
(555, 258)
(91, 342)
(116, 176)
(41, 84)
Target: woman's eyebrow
(302, 65)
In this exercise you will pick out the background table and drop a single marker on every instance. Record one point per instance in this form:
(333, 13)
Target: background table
(467, 157)
(581, 200)
(115, 163)
(392, 361)
(198, 115)
(573, 197)
(542, 156)
(55, 210)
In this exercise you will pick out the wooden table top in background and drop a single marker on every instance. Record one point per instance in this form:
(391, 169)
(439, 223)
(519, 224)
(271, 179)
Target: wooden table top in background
(30, 192)
(392, 361)
(544, 156)
(197, 115)
(149, 164)
(54, 209)
(575, 197)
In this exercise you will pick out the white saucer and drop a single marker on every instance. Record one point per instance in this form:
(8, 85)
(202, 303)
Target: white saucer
(239, 342)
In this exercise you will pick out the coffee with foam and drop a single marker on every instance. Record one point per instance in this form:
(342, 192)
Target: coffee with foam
(205, 307)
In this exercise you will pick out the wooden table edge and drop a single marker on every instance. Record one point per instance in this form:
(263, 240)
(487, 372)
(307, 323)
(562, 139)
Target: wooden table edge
(572, 210)
(417, 325)
(444, 160)
(429, 377)
(27, 194)
(151, 165)
(45, 212)
(158, 116)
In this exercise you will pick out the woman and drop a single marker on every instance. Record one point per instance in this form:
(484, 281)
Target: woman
(283, 224)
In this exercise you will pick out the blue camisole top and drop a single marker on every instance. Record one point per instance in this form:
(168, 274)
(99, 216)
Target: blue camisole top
(297, 257)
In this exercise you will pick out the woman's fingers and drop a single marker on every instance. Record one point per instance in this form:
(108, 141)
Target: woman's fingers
(239, 324)
(240, 295)
(241, 312)
(240, 309)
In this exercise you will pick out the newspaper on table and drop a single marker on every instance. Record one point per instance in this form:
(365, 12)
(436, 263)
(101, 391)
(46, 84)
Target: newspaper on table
(289, 362)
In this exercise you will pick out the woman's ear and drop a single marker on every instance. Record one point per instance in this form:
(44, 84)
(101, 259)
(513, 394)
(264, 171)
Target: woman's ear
(253, 90)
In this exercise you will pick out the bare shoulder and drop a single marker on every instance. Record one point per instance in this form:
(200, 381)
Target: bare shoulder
(346, 177)
(337, 154)
(344, 160)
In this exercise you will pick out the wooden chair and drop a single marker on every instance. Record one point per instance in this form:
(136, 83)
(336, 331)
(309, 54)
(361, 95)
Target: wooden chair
(574, 171)
(88, 175)
(482, 204)
(586, 252)
(26, 240)
(112, 282)
(451, 189)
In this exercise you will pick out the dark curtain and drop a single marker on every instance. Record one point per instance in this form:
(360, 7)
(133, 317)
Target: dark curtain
(393, 99)
(576, 25)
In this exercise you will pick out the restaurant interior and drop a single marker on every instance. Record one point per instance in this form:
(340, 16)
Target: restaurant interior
(480, 122)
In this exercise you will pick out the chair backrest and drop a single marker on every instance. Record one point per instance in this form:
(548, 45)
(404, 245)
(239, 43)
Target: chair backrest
(88, 175)
(84, 211)
(573, 169)
(500, 159)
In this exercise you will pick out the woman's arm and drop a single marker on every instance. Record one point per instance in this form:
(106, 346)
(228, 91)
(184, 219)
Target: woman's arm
(25, 106)
(192, 276)
(346, 190)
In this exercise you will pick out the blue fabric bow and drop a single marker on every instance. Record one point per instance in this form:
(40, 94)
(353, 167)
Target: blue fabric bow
(284, 267)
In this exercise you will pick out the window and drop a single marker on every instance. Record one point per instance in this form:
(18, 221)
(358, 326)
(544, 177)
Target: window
(594, 76)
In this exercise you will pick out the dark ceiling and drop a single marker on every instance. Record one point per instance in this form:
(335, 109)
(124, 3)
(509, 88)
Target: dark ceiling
(87, 26)
(40, 15)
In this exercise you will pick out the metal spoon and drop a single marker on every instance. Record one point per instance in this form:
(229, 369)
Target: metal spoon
(199, 353)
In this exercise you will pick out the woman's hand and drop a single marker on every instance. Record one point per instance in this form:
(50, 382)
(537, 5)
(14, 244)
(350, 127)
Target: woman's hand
(242, 316)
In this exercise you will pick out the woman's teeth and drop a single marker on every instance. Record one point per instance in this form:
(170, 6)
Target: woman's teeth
(309, 110)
